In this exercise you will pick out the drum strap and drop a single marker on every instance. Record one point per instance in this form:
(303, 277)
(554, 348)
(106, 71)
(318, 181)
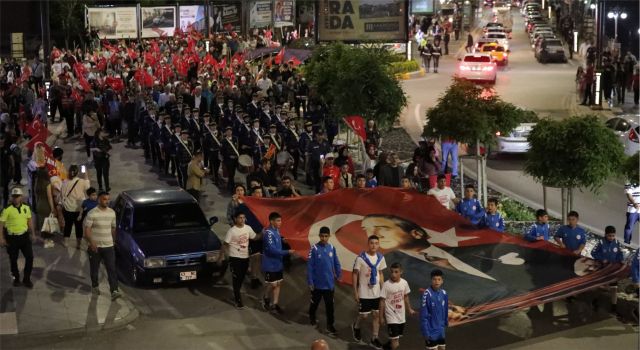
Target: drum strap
(185, 147)
(214, 136)
(234, 147)
(273, 138)
(295, 134)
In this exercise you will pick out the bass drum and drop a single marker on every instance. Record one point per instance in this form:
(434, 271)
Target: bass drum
(282, 158)
(244, 163)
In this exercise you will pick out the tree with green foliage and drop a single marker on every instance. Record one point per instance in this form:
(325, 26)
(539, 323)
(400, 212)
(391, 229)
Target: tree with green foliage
(577, 152)
(471, 114)
(67, 21)
(356, 81)
(631, 168)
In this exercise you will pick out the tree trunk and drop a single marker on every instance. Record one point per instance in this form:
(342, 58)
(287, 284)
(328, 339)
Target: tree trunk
(479, 170)
(544, 197)
(485, 188)
(564, 195)
(570, 202)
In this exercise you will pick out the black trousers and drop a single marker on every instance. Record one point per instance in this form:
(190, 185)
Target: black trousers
(436, 62)
(316, 296)
(212, 161)
(588, 94)
(15, 245)
(71, 220)
(108, 256)
(316, 180)
(56, 105)
(620, 91)
(102, 171)
(87, 143)
(132, 133)
(67, 114)
(182, 175)
(232, 166)
(239, 267)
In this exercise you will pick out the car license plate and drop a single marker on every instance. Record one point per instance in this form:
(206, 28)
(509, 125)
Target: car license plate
(188, 275)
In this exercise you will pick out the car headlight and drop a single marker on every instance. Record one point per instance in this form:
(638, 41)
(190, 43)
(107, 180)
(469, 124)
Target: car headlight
(154, 262)
(213, 256)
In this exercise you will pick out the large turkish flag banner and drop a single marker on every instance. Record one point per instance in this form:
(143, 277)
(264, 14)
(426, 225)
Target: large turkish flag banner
(486, 272)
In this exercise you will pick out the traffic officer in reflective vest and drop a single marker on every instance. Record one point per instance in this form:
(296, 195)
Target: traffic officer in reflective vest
(16, 218)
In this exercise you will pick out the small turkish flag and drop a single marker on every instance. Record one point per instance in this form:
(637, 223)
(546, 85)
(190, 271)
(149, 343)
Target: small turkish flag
(356, 123)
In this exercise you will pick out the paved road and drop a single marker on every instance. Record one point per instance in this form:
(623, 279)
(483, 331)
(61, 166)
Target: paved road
(549, 90)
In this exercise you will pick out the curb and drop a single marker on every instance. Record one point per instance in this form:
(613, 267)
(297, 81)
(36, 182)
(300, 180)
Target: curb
(411, 75)
(78, 331)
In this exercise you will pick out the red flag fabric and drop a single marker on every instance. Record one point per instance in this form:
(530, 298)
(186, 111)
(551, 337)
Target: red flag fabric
(132, 53)
(279, 57)
(149, 58)
(115, 83)
(102, 64)
(488, 273)
(357, 124)
(208, 59)
(222, 64)
(295, 61)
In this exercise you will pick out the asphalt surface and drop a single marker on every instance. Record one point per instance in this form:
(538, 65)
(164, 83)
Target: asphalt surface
(549, 90)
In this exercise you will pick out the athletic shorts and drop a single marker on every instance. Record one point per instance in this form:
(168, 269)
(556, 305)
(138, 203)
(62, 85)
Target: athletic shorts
(395, 330)
(272, 277)
(434, 343)
(255, 246)
(368, 305)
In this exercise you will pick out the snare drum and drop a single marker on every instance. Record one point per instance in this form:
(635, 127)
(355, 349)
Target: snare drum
(283, 157)
(244, 163)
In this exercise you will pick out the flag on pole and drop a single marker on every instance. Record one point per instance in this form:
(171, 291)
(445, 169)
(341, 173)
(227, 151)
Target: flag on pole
(357, 124)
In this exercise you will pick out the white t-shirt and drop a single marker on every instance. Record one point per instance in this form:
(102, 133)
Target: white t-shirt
(238, 240)
(365, 291)
(445, 196)
(634, 192)
(393, 294)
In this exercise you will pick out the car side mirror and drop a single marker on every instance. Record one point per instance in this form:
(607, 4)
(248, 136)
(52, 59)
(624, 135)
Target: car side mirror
(213, 220)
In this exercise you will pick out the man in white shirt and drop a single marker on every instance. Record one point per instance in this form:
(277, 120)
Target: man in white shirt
(444, 194)
(236, 244)
(367, 281)
(100, 233)
(394, 302)
(164, 97)
(264, 84)
(633, 210)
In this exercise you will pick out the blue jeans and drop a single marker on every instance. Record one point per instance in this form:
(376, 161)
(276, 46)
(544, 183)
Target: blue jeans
(632, 219)
(450, 148)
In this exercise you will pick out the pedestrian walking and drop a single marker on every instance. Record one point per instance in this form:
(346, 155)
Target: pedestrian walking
(446, 38)
(425, 53)
(367, 281)
(394, 304)
(323, 269)
(272, 266)
(469, 47)
(100, 233)
(101, 146)
(195, 174)
(436, 53)
(236, 244)
(632, 190)
(434, 313)
(619, 81)
(73, 192)
(16, 219)
(587, 83)
(635, 85)
(90, 127)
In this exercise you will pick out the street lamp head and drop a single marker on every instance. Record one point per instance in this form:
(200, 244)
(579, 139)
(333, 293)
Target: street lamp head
(592, 6)
(611, 15)
(623, 15)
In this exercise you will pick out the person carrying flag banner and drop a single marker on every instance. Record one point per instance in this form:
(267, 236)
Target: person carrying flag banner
(488, 273)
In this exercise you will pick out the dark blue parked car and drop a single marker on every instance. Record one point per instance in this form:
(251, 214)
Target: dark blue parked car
(163, 236)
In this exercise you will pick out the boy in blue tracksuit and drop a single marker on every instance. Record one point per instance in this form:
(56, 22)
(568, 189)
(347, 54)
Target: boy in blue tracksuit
(434, 313)
(469, 207)
(571, 237)
(492, 219)
(272, 254)
(323, 269)
(540, 230)
(608, 250)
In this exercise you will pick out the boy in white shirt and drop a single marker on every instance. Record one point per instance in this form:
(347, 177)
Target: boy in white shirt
(394, 303)
(444, 194)
(367, 281)
(236, 245)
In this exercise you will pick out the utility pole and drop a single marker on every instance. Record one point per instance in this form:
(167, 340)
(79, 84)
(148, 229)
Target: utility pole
(46, 37)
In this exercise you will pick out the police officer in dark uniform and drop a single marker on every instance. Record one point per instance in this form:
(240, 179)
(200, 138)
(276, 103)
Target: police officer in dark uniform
(229, 115)
(185, 119)
(211, 144)
(184, 153)
(253, 108)
(174, 141)
(154, 139)
(256, 141)
(145, 129)
(230, 156)
(316, 150)
(306, 136)
(245, 139)
(265, 115)
(292, 144)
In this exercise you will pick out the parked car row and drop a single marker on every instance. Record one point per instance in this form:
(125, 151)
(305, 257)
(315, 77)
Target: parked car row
(546, 45)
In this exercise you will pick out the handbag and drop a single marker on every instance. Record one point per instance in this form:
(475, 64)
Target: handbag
(50, 225)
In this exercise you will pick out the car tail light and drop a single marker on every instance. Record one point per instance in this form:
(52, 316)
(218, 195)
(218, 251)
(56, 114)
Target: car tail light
(633, 136)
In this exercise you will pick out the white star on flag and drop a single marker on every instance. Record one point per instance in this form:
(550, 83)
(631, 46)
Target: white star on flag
(447, 238)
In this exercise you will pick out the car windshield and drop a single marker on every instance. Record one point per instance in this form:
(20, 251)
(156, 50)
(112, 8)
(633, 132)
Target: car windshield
(553, 42)
(477, 59)
(168, 216)
(496, 36)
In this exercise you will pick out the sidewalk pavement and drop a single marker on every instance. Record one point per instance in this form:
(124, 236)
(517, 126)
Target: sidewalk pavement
(61, 302)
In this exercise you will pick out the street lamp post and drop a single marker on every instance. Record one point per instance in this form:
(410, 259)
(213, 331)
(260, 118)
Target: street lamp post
(615, 14)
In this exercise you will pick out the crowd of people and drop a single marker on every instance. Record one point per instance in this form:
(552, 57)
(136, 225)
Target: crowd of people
(199, 114)
(619, 76)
